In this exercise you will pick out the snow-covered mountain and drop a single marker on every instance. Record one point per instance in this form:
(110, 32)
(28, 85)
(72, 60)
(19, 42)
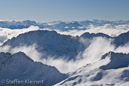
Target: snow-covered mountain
(122, 39)
(102, 68)
(63, 26)
(111, 70)
(119, 40)
(20, 24)
(21, 67)
(93, 35)
(49, 42)
(53, 22)
(102, 22)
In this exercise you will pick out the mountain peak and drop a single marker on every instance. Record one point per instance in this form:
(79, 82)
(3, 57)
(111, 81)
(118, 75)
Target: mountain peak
(118, 60)
(92, 35)
(21, 67)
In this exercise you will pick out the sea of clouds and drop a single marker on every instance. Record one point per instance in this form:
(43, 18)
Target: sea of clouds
(98, 46)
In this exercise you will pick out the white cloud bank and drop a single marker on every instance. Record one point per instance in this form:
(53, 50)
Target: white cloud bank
(6, 33)
(108, 29)
(93, 53)
(28, 50)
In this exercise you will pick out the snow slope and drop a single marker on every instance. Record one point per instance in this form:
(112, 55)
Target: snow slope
(111, 70)
(21, 67)
(49, 43)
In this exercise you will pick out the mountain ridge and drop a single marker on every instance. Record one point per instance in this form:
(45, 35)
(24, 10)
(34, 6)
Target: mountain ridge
(21, 67)
(95, 75)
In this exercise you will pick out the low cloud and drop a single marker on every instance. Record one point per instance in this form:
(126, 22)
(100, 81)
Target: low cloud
(28, 50)
(98, 47)
(123, 49)
(93, 52)
(108, 29)
(2, 39)
(6, 33)
(5, 49)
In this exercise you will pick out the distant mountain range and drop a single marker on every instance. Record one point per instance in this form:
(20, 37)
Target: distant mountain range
(20, 24)
(64, 26)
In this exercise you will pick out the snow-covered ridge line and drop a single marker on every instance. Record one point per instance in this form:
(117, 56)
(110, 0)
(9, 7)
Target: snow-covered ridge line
(50, 46)
(61, 46)
(111, 70)
(21, 67)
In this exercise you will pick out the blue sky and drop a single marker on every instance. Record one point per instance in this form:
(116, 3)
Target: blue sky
(65, 10)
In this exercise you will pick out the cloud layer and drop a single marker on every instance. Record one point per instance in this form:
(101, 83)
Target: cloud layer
(97, 48)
